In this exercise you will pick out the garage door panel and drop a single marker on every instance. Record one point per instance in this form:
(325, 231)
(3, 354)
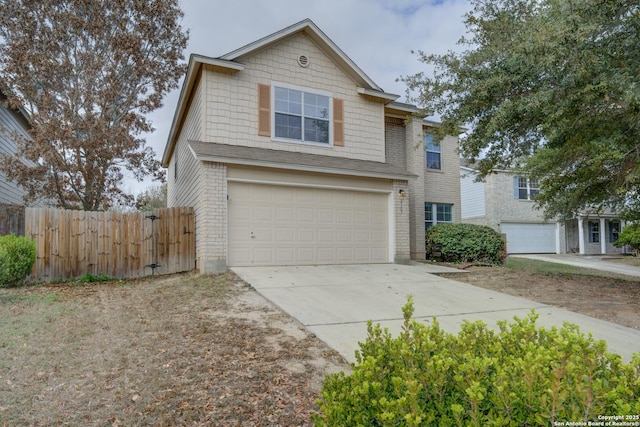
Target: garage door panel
(529, 238)
(305, 225)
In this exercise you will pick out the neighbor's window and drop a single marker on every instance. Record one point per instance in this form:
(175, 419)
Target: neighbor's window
(614, 231)
(526, 188)
(434, 153)
(594, 232)
(443, 213)
(301, 115)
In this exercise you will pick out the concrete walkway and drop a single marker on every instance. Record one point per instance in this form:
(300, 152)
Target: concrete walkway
(594, 262)
(335, 302)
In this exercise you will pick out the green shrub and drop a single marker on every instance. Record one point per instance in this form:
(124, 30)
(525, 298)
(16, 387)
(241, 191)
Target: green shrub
(630, 235)
(17, 256)
(465, 243)
(519, 375)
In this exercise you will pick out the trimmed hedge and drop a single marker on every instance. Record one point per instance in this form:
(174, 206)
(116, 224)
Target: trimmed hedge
(465, 243)
(519, 375)
(17, 256)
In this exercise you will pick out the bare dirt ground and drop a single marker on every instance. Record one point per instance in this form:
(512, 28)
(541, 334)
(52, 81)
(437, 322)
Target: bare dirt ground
(179, 350)
(615, 299)
(204, 350)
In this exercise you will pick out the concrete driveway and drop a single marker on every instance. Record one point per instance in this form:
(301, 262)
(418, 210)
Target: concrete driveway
(335, 302)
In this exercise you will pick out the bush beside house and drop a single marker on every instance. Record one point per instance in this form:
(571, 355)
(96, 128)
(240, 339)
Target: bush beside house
(629, 236)
(17, 256)
(465, 243)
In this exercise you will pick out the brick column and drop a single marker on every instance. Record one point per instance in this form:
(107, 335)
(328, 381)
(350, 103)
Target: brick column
(416, 165)
(211, 219)
(401, 208)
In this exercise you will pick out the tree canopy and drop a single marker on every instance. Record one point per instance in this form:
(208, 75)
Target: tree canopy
(550, 87)
(87, 72)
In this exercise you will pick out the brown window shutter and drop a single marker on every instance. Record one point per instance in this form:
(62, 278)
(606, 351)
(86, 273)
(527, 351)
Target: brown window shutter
(338, 122)
(264, 110)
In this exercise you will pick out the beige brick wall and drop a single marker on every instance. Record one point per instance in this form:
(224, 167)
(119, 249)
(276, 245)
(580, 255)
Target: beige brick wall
(443, 186)
(395, 137)
(211, 219)
(232, 105)
(401, 222)
(416, 165)
(501, 205)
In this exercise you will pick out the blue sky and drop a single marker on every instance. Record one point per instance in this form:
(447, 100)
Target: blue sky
(378, 35)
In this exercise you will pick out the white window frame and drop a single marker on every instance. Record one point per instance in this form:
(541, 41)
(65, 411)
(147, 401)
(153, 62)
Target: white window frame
(428, 139)
(304, 90)
(532, 187)
(434, 214)
(593, 228)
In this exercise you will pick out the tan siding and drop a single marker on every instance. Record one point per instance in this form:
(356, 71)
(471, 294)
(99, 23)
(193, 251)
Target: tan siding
(232, 98)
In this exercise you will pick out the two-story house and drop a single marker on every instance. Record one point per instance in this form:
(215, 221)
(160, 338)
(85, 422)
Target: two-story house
(291, 155)
(504, 201)
(11, 122)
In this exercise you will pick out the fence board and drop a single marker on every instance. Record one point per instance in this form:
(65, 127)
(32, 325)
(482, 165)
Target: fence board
(74, 243)
(12, 220)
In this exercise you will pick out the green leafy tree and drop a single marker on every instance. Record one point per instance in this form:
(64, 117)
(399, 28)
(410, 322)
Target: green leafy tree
(152, 198)
(630, 236)
(549, 86)
(87, 72)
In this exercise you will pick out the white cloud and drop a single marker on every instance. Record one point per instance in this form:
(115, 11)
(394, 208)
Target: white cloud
(378, 35)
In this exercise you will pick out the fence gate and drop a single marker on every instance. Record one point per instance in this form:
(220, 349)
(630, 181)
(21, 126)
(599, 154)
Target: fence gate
(74, 243)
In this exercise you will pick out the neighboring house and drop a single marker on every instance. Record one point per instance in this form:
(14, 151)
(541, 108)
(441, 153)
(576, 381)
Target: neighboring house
(11, 121)
(291, 155)
(504, 201)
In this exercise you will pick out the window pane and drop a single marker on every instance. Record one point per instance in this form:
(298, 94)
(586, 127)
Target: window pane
(444, 213)
(316, 106)
(431, 146)
(316, 130)
(288, 101)
(433, 160)
(428, 211)
(288, 126)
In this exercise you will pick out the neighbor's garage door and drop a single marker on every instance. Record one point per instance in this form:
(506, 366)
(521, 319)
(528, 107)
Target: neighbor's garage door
(530, 238)
(282, 225)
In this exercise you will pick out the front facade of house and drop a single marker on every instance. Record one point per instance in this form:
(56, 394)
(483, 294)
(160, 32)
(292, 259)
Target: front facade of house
(291, 155)
(10, 121)
(504, 201)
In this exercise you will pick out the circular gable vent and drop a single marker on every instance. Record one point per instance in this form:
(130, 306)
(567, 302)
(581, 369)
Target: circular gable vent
(303, 61)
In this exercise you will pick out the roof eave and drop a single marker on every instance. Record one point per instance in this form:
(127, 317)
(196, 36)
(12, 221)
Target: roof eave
(297, 167)
(195, 64)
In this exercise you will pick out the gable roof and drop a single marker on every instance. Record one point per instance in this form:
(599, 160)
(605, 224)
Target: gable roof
(232, 61)
(310, 29)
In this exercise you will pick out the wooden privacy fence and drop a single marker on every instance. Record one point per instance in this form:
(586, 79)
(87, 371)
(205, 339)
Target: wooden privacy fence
(11, 219)
(74, 243)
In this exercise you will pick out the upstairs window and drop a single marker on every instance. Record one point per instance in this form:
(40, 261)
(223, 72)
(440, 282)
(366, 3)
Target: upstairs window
(434, 153)
(301, 115)
(525, 188)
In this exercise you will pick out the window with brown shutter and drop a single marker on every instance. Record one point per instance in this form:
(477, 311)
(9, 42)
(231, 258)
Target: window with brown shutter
(264, 110)
(338, 122)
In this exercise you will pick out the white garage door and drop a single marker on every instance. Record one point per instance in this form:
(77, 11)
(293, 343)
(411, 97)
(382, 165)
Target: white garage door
(282, 225)
(530, 238)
